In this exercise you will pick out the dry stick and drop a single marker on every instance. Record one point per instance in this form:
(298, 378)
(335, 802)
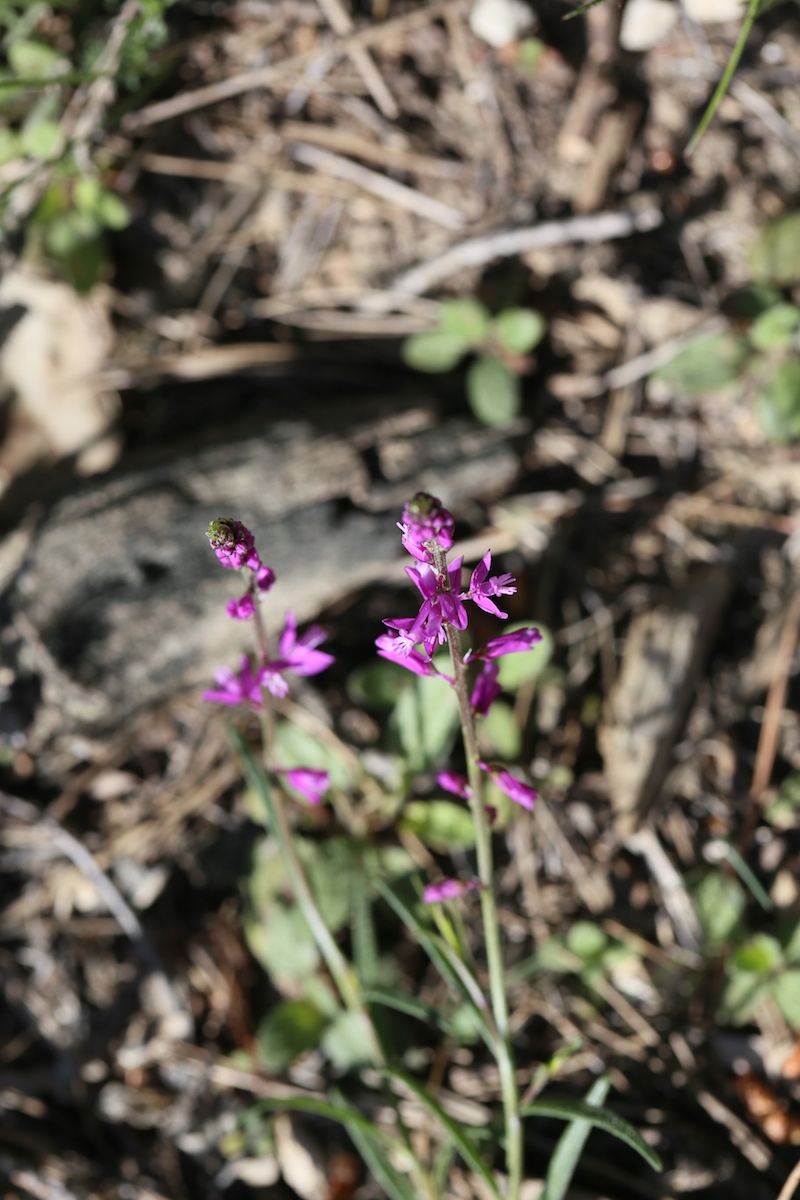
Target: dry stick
(477, 252)
(341, 23)
(790, 1187)
(264, 76)
(379, 185)
(776, 699)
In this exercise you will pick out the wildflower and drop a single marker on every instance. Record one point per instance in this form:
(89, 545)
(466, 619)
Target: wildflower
(440, 604)
(242, 608)
(297, 654)
(265, 578)
(310, 783)
(506, 643)
(517, 791)
(485, 689)
(233, 544)
(448, 889)
(395, 649)
(457, 785)
(244, 688)
(425, 520)
(481, 588)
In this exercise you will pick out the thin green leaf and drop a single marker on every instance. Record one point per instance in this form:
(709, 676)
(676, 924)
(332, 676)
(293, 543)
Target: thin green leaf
(727, 75)
(569, 1110)
(449, 965)
(570, 1145)
(410, 1005)
(396, 1186)
(462, 1143)
(745, 873)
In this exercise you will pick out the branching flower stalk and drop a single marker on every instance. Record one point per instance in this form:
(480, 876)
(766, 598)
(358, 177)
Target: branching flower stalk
(427, 533)
(234, 546)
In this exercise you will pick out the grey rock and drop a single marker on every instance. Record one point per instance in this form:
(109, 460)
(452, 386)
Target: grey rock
(117, 600)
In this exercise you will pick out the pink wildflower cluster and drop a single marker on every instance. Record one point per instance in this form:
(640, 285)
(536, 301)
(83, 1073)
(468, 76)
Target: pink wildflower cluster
(427, 534)
(234, 546)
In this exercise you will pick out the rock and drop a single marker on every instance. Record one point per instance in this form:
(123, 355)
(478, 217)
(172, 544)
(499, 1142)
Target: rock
(500, 22)
(645, 23)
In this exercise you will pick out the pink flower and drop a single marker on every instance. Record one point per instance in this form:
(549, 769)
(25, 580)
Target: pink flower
(242, 608)
(396, 650)
(457, 785)
(448, 889)
(425, 520)
(481, 588)
(517, 791)
(298, 654)
(233, 544)
(244, 688)
(441, 605)
(485, 690)
(506, 643)
(310, 783)
(265, 578)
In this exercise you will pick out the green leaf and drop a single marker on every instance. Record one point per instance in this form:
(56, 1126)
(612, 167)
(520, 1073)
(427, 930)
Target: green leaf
(519, 329)
(283, 943)
(567, 1153)
(741, 997)
(111, 211)
(456, 1132)
(368, 1144)
(347, 1041)
(776, 327)
(42, 139)
(411, 1006)
(440, 824)
(525, 666)
(296, 747)
(426, 719)
(466, 318)
(786, 993)
(334, 872)
(709, 362)
(586, 940)
(778, 406)
(86, 193)
(9, 146)
(776, 253)
(29, 59)
(434, 352)
(570, 1110)
(493, 391)
(720, 902)
(291, 1029)
(377, 684)
(759, 956)
(500, 733)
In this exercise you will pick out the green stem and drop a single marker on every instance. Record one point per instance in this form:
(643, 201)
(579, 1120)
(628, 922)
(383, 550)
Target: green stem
(753, 9)
(491, 926)
(340, 970)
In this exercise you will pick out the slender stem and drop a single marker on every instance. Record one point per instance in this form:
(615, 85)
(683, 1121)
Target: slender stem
(340, 970)
(491, 927)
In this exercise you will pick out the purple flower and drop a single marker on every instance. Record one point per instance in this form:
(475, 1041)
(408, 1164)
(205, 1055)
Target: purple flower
(457, 785)
(395, 649)
(298, 654)
(242, 608)
(265, 578)
(310, 783)
(425, 519)
(448, 889)
(440, 604)
(517, 791)
(481, 588)
(233, 544)
(485, 690)
(506, 643)
(244, 688)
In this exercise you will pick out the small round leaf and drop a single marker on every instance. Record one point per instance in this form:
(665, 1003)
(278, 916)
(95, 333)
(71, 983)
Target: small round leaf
(519, 329)
(493, 392)
(435, 352)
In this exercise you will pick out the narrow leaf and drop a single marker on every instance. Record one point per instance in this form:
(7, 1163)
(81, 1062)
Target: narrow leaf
(570, 1146)
(462, 1143)
(569, 1110)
